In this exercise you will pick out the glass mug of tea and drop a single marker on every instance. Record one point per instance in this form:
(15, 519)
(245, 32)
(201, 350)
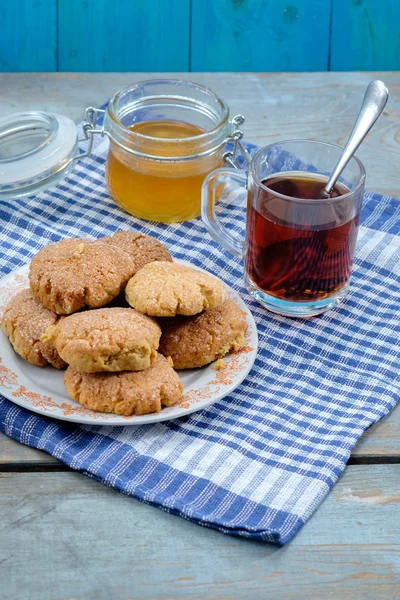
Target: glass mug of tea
(299, 246)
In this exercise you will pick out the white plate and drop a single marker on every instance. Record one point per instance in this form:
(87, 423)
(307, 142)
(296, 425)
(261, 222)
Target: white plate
(42, 389)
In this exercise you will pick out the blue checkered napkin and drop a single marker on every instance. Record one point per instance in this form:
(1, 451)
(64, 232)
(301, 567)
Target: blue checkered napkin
(259, 462)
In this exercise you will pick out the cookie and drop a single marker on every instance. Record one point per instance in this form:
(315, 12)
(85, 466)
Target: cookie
(76, 273)
(24, 322)
(127, 393)
(196, 341)
(69, 275)
(106, 339)
(141, 249)
(164, 289)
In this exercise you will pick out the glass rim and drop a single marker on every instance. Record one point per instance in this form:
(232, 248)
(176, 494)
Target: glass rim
(304, 200)
(111, 108)
(27, 123)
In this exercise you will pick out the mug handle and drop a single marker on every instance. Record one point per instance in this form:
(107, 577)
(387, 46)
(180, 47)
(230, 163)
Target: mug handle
(212, 191)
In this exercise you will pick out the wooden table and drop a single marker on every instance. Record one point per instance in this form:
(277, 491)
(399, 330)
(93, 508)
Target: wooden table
(64, 536)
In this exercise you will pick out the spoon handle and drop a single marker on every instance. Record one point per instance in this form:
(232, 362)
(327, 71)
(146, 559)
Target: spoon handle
(373, 104)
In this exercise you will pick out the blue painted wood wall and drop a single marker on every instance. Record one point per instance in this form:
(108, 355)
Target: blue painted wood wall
(199, 35)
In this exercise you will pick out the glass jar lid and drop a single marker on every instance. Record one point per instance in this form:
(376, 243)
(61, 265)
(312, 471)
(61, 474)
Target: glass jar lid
(37, 149)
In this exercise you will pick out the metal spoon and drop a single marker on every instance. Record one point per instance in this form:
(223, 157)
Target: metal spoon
(373, 104)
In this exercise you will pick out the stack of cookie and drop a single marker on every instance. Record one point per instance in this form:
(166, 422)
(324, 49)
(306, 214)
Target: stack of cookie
(119, 358)
(199, 323)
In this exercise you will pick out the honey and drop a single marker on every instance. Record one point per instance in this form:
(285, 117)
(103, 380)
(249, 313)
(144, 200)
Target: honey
(161, 181)
(167, 130)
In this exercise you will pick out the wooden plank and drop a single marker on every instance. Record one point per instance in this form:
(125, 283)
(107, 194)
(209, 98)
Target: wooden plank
(381, 441)
(260, 35)
(65, 536)
(98, 35)
(14, 454)
(276, 106)
(365, 35)
(28, 33)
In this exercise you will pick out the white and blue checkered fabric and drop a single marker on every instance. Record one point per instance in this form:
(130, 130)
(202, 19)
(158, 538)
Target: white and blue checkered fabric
(259, 462)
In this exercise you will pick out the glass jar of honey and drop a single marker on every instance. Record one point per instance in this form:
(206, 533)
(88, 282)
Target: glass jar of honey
(165, 137)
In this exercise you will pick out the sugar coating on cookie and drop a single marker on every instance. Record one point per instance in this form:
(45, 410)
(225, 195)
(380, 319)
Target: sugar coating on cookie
(127, 393)
(164, 289)
(76, 273)
(24, 322)
(106, 339)
(196, 341)
(141, 249)
(69, 275)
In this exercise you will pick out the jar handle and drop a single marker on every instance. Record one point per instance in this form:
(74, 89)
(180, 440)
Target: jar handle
(213, 190)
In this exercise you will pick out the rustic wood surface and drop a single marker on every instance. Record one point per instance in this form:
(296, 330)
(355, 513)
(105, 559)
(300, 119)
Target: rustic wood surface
(65, 536)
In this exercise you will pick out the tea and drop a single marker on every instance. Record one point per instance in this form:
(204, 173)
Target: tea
(293, 259)
(302, 185)
(160, 190)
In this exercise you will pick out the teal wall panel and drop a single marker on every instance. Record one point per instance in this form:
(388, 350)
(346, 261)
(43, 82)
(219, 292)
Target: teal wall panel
(260, 35)
(365, 35)
(124, 35)
(199, 35)
(28, 35)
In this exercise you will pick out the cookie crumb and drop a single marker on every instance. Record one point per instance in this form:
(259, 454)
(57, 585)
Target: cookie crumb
(219, 364)
(170, 361)
(49, 334)
(79, 249)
